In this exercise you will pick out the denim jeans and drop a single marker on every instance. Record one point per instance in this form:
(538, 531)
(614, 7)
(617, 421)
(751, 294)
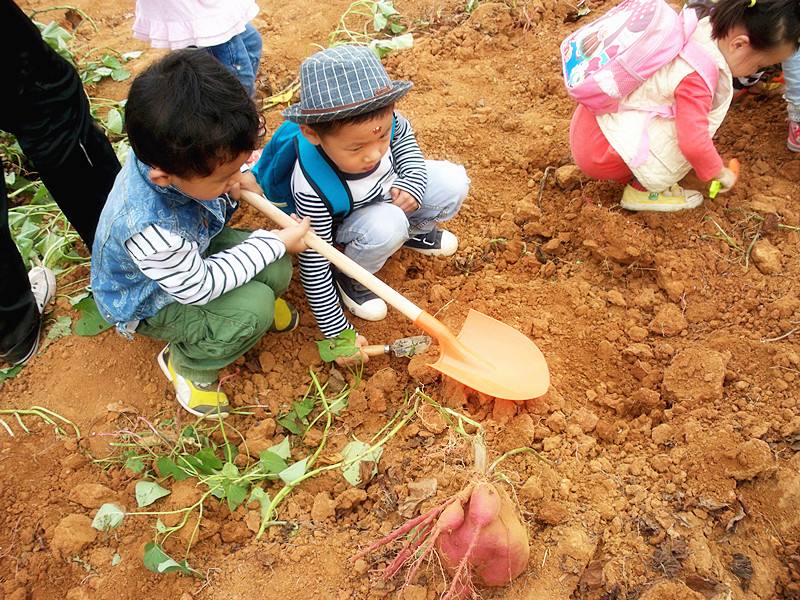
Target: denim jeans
(241, 55)
(791, 75)
(373, 233)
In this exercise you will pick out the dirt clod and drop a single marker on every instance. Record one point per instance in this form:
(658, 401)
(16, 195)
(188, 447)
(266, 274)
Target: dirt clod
(766, 257)
(72, 534)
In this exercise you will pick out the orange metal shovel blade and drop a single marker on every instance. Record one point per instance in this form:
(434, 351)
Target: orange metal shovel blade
(490, 357)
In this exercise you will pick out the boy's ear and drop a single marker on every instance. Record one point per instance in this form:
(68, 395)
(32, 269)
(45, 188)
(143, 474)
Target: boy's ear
(311, 135)
(159, 177)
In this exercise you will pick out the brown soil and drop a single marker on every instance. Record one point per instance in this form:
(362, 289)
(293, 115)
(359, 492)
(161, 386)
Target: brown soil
(670, 432)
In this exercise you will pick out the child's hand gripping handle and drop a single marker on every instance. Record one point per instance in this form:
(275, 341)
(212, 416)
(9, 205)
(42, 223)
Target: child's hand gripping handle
(345, 264)
(727, 179)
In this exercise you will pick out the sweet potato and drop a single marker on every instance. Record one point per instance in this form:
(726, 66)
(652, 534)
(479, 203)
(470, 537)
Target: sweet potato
(490, 538)
(476, 533)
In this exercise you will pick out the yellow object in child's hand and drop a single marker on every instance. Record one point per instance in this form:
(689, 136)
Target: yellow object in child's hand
(716, 185)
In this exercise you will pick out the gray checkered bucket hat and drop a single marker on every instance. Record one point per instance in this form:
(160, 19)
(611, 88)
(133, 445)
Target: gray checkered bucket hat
(342, 82)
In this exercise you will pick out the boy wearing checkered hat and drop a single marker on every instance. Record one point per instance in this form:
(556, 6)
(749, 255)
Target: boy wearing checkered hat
(398, 197)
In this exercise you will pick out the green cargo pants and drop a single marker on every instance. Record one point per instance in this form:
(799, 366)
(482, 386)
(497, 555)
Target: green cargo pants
(204, 339)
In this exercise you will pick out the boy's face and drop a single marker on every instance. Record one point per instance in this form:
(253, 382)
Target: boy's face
(357, 147)
(209, 187)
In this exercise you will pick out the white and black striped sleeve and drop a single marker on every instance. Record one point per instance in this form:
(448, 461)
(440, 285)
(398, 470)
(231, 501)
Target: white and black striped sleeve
(179, 268)
(315, 270)
(408, 160)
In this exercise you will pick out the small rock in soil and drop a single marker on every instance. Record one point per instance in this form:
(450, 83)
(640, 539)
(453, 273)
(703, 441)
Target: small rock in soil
(585, 419)
(568, 177)
(616, 298)
(91, 495)
(669, 321)
(419, 370)
(350, 498)
(766, 257)
(259, 437)
(234, 532)
(663, 434)
(361, 566)
(696, 374)
(637, 333)
(267, 361)
(552, 513)
(531, 490)
(431, 419)
(72, 534)
(752, 458)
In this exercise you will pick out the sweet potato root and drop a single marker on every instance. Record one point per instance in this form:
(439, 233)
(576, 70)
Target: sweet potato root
(477, 535)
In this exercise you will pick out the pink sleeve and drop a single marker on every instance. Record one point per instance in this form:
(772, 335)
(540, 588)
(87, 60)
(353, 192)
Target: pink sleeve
(693, 102)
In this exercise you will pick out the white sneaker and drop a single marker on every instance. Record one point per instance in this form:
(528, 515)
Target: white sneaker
(43, 286)
(437, 242)
(674, 199)
(359, 300)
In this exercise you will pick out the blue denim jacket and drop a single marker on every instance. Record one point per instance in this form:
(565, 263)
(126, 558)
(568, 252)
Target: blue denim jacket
(122, 292)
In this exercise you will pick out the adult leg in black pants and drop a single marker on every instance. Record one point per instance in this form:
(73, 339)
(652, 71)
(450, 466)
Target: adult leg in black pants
(46, 108)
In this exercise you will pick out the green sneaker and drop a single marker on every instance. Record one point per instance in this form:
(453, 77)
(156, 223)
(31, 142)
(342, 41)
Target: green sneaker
(200, 399)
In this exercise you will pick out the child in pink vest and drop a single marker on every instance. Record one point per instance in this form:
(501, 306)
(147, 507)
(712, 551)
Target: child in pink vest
(740, 37)
(221, 27)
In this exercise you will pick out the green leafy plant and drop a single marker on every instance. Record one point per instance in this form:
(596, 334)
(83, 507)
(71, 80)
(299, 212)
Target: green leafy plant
(161, 453)
(91, 321)
(343, 345)
(158, 561)
(373, 23)
(42, 233)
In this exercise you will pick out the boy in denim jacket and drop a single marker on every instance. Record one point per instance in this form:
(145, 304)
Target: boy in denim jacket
(164, 262)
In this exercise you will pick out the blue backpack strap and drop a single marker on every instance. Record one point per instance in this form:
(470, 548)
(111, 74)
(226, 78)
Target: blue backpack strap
(325, 180)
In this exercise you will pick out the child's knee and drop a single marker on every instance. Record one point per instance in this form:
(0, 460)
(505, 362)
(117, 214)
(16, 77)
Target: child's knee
(458, 182)
(448, 185)
(283, 274)
(277, 275)
(391, 230)
(258, 315)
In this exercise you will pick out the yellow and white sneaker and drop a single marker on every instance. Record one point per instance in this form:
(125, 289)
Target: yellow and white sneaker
(286, 318)
(202, 400)
(674, 199)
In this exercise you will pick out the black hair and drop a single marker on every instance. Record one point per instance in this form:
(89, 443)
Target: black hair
(187, 114)
(769, 23)
(328, 127)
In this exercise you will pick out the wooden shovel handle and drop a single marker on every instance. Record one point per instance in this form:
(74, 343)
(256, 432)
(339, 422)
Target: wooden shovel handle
(343, 263)
(375, 350)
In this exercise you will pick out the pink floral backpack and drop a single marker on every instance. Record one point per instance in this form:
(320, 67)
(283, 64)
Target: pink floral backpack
(604, 61)
(609, 58)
